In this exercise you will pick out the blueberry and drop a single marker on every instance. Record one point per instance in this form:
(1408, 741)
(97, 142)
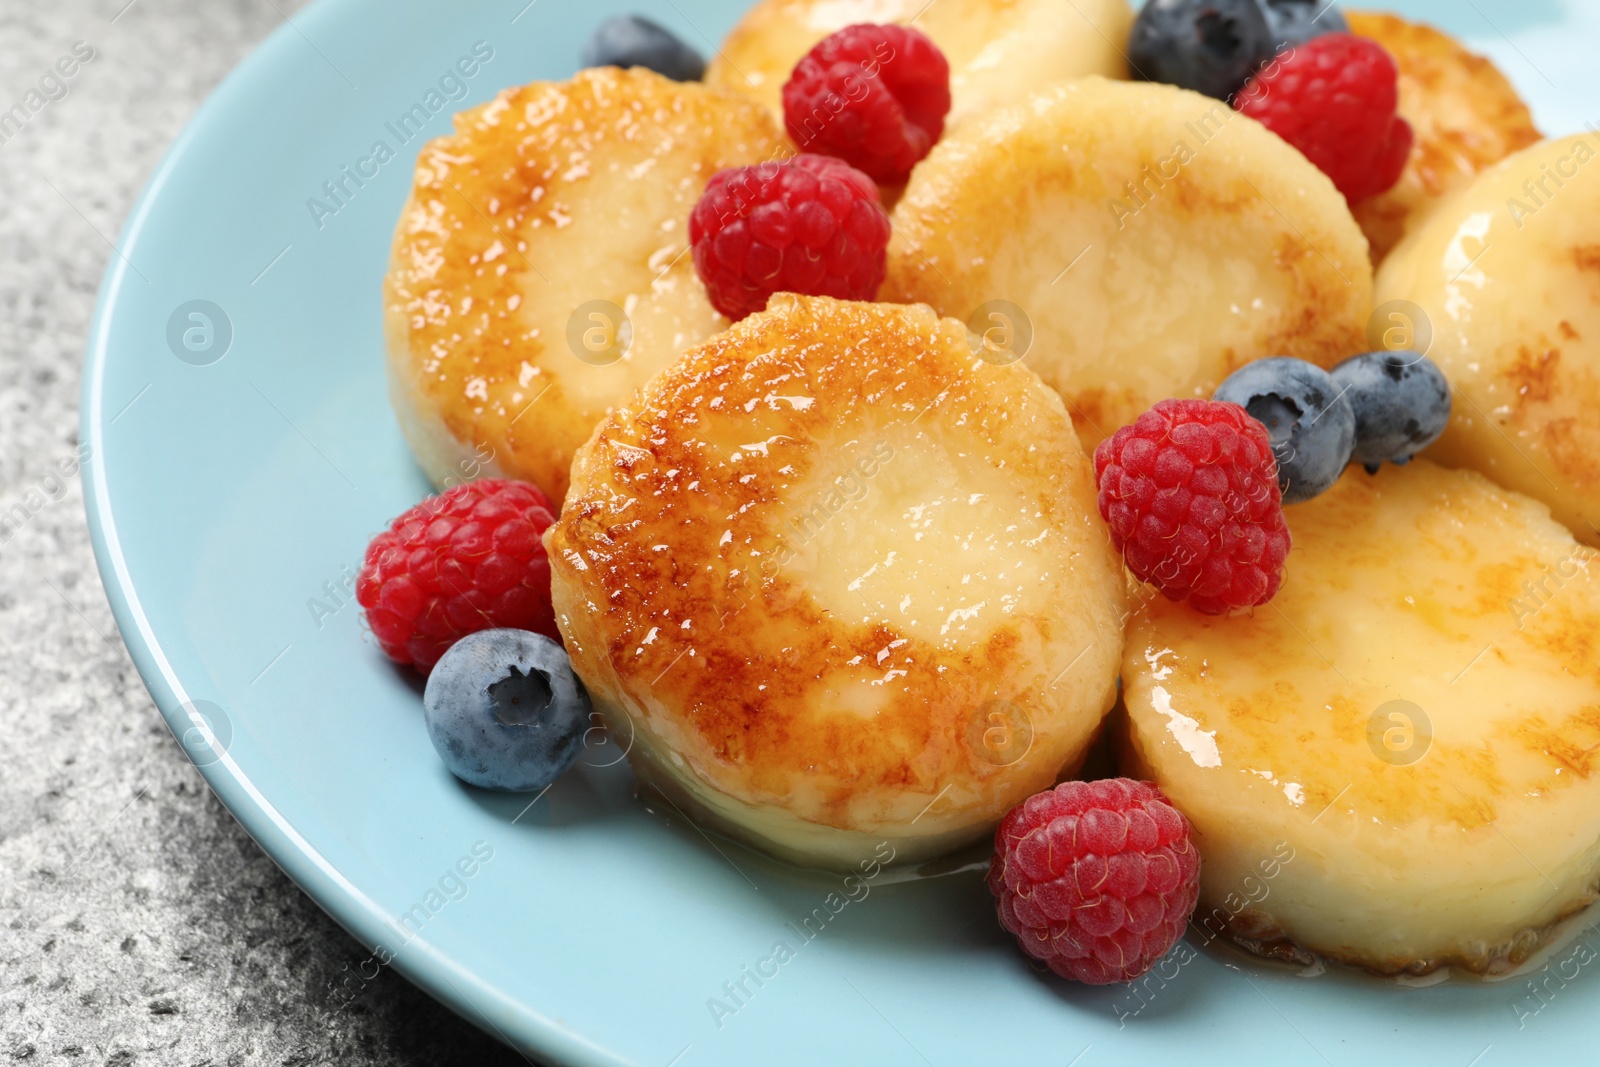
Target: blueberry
(1210, 46)
(1312, 427)
(505, 711)
(1294, 22)
(1402, 404)
(635, 41)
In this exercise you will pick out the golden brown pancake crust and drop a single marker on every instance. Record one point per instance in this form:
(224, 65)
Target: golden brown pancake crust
(1451, 835)
(548, 196)
(1465, 115)
(1157, 239)
(683, 611)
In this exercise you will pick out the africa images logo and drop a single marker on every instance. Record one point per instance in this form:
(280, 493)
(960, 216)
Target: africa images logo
(53, 85)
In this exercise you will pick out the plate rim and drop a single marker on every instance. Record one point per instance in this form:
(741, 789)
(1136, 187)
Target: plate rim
(429, 968)
(446, 979)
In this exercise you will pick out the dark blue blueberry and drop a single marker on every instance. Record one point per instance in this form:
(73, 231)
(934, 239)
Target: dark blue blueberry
(1210, 46)
(505, 711)
(1312, 428)
(1402, 404)
(1294, 22)
(635, 41)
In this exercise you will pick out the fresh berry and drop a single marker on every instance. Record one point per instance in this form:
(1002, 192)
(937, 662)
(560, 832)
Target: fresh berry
(1190, 491)
(1096, 879)
(1334, 98)
(874, 96)
(635, 41)
(465, 561)
(811, 225)
(1312, 427)
(505, 711)
(1294, 22)
(1401, 402)
(1210, 46)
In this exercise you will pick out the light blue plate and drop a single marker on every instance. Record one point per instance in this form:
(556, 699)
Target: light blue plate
(232, 491)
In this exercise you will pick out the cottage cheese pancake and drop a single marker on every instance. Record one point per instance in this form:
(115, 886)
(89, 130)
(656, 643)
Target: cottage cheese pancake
(1155, 240)
(1465, 114)
(1414, 722)
(1505, 276)
(540, 268)
(841, 582)
(999, 50)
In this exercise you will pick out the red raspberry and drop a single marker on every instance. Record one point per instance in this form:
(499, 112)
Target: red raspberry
(455, 564)
(1190, 491)
(875, 96)
(809, 225)
(1096, 879)
(1334, 98)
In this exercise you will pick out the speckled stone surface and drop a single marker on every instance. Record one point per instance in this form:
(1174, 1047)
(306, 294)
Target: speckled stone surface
(139, 924)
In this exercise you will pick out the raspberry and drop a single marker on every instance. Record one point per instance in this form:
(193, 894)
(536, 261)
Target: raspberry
(1190, 491)
(809, 225)
(455, 564)
(1096, 879)
(1334, 98)
(875, 96)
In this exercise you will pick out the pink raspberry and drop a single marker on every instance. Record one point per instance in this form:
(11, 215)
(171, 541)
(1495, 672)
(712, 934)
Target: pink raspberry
(875, 96)
(1190, 491)
(455, 564)
(1095, 879)
(1335, 98)
(809, 225)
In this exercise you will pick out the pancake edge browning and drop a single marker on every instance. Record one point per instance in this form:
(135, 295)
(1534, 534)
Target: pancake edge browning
(749, 724)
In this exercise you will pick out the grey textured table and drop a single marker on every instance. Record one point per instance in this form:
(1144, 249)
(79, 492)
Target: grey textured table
(138, 922)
